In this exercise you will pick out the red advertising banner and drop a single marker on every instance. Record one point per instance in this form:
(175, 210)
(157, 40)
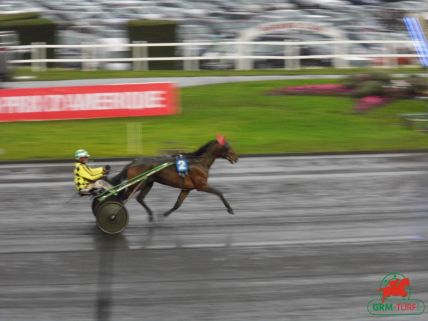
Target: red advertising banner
(82, 102)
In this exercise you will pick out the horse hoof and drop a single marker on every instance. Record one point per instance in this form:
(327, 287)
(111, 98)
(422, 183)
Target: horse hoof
(230, 211)
(150, 218)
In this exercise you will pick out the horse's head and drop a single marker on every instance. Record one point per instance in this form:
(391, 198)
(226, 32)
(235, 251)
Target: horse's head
(225, 150)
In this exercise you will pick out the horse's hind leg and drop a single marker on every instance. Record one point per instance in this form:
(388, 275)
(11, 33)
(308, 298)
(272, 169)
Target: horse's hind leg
(212, 190)
(140, 198)
(183, 194)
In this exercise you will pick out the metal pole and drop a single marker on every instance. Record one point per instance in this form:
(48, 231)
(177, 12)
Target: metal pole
(134, 136)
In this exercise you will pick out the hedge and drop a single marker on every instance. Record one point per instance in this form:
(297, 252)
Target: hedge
(32, 30)
(19, 16)
(155, 31)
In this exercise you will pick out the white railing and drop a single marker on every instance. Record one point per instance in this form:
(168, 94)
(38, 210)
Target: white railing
(92, 56)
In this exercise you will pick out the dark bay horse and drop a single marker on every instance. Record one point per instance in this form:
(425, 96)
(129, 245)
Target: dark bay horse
(200, 162)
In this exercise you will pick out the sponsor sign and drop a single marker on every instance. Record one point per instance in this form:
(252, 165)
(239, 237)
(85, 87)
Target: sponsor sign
(82, 102)
(395, 298)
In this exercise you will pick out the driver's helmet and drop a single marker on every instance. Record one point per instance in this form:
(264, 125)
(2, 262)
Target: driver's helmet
(81, 153)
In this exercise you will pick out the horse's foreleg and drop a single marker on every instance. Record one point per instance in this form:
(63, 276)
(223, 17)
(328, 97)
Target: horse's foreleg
(140, 198)
(212, 190)
(180, 199)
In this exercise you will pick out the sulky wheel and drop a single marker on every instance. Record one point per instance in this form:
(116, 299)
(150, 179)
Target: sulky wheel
(112, 217)
(96, 203)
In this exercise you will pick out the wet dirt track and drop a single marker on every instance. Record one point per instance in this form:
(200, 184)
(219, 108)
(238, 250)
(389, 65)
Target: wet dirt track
(311, 239)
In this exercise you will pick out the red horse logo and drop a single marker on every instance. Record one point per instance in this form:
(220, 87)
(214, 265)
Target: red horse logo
(395, 287)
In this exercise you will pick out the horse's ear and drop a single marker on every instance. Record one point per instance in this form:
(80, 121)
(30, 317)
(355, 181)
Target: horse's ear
(221, 139)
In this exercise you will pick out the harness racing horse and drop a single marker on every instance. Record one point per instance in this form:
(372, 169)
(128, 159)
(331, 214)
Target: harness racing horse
(200, 162)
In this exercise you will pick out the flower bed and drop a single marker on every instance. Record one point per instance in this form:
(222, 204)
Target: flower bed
(370, 102)
(320, 89)
(370, 90)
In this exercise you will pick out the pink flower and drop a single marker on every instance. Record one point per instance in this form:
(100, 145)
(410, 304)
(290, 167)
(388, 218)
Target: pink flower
(317, 89)
(370, 102)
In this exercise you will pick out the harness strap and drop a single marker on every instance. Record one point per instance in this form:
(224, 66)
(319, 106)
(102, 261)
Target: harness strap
(139, 178)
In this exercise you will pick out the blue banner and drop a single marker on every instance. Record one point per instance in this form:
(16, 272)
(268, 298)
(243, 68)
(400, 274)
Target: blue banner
(418, 37)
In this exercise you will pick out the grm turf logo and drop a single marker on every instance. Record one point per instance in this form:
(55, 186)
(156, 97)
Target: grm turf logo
(395, 298)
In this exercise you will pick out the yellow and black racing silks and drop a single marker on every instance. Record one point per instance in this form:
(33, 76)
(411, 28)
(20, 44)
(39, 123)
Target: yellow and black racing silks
(84, 175)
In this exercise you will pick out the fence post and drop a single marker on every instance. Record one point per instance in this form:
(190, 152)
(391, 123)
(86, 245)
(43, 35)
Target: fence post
(195, 63)
(145, 54)
(297, 62)
(190, 51)
(345, 60)
(43, 64)
(338, 52)
(187, 51)
(242, 63)
(135, 54)
(38, 53)
(87, 54)
(288, 52)
(34, 57)
(139, 52)
(292, 50)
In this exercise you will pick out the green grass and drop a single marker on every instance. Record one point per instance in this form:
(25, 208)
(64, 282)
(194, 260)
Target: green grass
(64, 74)
(253, 121)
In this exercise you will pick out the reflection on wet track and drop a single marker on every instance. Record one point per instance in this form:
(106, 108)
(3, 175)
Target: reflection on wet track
(311, 239)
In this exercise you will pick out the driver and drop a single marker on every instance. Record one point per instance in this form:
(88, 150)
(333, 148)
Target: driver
(88, 179)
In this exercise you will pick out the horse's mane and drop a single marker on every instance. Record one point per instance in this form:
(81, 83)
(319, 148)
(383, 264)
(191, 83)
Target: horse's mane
(201, 150)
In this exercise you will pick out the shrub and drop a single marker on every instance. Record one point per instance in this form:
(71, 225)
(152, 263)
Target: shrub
(418, 85)
(369, 88)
